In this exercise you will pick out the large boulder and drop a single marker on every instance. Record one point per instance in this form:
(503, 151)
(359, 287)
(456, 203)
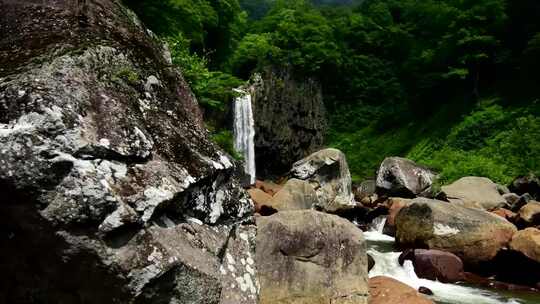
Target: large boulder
(476, 192)
(327, 171)
(528, 243)
(106, 167)
(472, 234)
(385, 290)
(290, 119)
(436, 265)
(309, 257)
(402, 177)
(530, 213)
(295, 195)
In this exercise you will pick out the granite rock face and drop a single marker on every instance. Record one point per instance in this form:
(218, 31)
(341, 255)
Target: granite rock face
(107, 168)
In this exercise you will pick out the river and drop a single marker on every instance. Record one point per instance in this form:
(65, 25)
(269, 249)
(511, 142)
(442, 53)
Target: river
(381, 248)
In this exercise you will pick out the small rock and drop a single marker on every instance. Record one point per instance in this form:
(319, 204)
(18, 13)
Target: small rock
(425, 290)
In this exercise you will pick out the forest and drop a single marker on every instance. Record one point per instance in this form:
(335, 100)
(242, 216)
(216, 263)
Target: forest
(449, 83)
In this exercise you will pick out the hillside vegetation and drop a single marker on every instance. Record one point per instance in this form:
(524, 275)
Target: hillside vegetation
(448, 83)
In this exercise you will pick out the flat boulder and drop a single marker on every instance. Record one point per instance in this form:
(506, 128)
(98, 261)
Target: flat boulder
(402, 177)
(475, 192)
(327, 171)
(385, 290)
(309, 257)
(472, 234)
(528, 243)
(295, 195)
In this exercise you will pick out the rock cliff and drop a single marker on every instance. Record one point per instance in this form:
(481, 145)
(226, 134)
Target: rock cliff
(112, 191)
(290, 120)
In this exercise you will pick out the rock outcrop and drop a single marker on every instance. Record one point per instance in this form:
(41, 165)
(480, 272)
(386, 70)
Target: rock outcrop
(105, 166)
(476, 192)
(472, 234)
(309, 257)
(385, 290)
(402, 177)
(290, 120)
(327, 171)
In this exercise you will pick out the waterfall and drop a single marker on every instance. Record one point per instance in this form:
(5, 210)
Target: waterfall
(244, 132)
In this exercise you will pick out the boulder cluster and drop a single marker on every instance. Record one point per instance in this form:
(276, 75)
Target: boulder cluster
(472, 230)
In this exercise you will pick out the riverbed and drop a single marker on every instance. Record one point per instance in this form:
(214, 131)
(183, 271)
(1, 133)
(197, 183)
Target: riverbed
(381, 248)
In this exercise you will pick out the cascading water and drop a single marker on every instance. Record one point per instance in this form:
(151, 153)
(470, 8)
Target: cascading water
(386, 264)
(244, 132)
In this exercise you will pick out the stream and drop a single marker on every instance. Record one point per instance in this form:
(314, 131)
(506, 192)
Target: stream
(381, 248)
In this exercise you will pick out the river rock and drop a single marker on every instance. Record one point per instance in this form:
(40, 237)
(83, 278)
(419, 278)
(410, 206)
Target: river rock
(477, 192)
(112, 190)
(506, 214)
(530, 213)
(472, 234)
(327, 171)
(437, 265)
(527, 184)
(395, 204)
(385, 290)
(295, 195)
(309, 257)
(528, 243)
(402, 177)
(290, 119)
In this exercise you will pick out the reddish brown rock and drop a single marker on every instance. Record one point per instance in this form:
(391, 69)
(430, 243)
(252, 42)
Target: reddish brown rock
(394, 204)
(506, 214)
(385, 290)
(438, 265)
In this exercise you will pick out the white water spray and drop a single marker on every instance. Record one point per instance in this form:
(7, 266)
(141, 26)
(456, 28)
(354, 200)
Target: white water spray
(386, 264)
(244, 132)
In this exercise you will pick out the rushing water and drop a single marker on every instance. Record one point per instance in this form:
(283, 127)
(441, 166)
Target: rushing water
(386, 264)
(244, 132)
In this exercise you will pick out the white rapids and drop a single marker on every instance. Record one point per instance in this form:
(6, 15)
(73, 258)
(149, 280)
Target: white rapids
(244, 132)
(386, 264)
